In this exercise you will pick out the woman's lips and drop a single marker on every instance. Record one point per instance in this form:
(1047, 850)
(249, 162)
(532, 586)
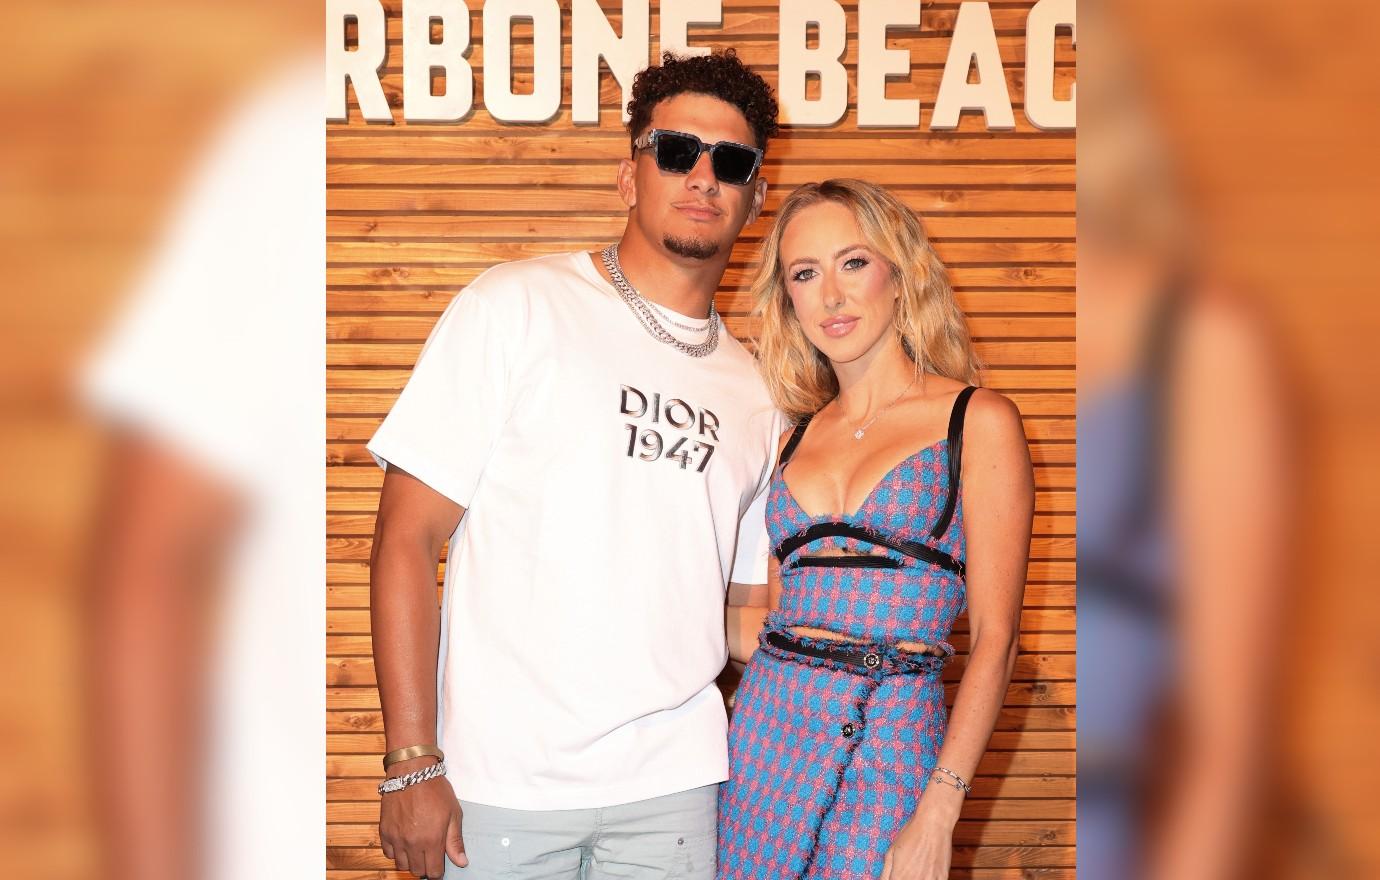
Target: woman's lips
(840, 326)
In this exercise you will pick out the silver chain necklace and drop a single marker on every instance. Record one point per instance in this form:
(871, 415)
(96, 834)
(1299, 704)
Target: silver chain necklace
(858, 434)
(669, 317)
(642, 308)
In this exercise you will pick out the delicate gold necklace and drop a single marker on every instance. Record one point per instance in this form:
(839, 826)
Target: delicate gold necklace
(858, 434)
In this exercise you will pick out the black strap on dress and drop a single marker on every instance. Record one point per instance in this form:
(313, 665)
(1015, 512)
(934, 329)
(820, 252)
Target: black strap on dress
(794, 440)
(956, 417)
(913, 549)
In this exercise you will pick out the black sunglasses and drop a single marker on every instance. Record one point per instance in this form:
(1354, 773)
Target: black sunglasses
(677, 152)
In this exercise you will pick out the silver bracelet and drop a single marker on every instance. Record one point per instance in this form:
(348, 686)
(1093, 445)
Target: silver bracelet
(398, 783)
(958, 781)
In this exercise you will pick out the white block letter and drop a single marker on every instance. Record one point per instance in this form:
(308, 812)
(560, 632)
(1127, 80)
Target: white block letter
(592, 37)
(676, 18)
(545, 99)
(420, 56)
(974, 38)
(360, 66)
(795, 61)
(1041, 108)
(876, 62)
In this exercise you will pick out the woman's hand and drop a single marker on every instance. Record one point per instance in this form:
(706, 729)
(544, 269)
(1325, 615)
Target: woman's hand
(923, 849)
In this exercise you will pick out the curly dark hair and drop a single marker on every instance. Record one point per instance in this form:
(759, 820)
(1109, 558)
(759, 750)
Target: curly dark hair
(720, 75)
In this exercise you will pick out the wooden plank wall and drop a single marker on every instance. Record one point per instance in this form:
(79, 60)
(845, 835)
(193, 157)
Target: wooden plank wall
(417, 210)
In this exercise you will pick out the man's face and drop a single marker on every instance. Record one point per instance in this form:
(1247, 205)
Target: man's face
(693, 216)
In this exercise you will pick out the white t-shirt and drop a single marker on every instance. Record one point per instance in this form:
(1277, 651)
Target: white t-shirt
(605, 476)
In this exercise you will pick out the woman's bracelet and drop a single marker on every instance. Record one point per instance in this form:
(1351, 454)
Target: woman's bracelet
(957, 782)
(398, 783)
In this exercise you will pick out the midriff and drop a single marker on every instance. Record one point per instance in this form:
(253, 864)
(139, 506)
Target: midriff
(813, 633)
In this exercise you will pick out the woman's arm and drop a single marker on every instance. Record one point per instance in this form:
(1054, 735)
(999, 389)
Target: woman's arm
(998, 505)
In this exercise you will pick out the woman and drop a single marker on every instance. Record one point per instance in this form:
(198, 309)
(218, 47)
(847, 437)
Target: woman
(842, 763)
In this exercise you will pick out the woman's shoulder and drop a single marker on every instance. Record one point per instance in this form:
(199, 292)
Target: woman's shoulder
(991, 409)
(993, 431)
(985, 407)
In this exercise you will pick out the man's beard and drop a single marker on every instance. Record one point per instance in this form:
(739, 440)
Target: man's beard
(691, 248)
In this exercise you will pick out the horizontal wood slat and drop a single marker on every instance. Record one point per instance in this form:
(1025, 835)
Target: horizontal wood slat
(1058, 353)
(355, 454)
(437, 170)
(956, 255)
(346, 549)
(356, 622)
(591, 198)
(966, 833)
(359, 671)
(349, 501)
(964, 856)
(1035, 403)
(358, 645)
(362, 524)
(607, 227)
(1005, 380)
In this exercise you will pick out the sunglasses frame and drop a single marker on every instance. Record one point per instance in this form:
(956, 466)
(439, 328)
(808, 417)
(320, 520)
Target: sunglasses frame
(650, 138)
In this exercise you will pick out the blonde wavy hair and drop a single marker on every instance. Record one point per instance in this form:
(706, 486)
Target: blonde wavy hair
(928, 320)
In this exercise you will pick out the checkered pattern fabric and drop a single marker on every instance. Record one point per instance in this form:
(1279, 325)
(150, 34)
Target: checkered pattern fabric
(828, 761)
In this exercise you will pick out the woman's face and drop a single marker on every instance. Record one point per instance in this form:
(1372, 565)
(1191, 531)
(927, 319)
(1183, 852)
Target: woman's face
(842, 290)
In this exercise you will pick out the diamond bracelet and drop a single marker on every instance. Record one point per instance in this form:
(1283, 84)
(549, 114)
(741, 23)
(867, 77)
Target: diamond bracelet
(398, 783)
(957, 782)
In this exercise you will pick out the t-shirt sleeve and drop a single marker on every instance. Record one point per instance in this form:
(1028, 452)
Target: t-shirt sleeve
(446, 422)
(750, 557)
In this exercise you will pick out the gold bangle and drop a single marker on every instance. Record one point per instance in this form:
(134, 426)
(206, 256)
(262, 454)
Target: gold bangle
(397, 755)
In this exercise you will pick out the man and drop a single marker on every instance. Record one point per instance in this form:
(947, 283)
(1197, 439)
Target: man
(596, 447)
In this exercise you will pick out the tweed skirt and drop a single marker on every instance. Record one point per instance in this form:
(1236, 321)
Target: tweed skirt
(827, 761)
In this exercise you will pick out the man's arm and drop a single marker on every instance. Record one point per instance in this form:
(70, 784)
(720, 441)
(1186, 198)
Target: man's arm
(419, 825)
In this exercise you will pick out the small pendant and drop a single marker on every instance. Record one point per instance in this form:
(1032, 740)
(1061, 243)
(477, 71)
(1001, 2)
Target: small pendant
(858, 434)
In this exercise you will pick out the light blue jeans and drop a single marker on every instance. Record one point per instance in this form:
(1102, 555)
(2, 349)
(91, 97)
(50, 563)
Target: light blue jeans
(672, 837)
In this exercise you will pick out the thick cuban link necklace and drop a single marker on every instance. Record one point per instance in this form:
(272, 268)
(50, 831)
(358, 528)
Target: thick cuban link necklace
(642, 308)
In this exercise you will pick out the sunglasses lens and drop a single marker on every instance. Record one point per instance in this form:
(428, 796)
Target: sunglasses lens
(676, 152)
(733, 164)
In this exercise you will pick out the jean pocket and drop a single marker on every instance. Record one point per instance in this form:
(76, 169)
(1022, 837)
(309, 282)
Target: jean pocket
(489, 854)
(696, 856)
